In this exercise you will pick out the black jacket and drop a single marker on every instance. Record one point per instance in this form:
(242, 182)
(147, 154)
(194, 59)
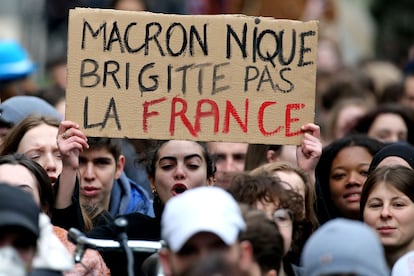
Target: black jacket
(140, 227)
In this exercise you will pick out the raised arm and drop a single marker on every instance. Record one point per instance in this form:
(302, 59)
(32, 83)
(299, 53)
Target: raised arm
(310, 149)
(71, 141)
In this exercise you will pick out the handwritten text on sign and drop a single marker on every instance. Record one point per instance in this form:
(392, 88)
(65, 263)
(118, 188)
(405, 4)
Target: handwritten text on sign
(209, 78)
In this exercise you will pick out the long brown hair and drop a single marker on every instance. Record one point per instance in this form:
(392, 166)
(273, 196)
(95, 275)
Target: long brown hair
(399, 177)
(14, 136)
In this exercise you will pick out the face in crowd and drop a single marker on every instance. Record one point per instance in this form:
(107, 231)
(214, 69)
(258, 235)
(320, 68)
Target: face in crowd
(387, 205)
(39, 144)
(229, 159)
(199, 246)
(180, 165)
(98, 168)
(35, 137)
(389, 128)
(348, 173)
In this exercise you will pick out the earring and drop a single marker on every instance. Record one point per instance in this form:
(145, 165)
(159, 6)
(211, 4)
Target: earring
(155, 195)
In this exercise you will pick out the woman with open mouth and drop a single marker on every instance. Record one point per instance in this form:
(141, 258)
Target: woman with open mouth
(177, 166)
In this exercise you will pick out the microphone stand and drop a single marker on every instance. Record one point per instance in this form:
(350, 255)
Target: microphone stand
(111, 245)
(121, 226)
(82, 243)
(79, 239)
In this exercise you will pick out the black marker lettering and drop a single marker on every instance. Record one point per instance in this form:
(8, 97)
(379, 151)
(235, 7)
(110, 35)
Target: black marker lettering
(201, 75)
(149, 37)
(282, 76)
(115, 36)
(202, 42)
(111, 113)
(184, 76)
(154, 78)
(95, 34)
(292, 49)
(173, 28)
(108, 71)
(217, 77)
(91, 74)
(248, 78)
(86, 124)
(265, 77)
(303, 50)
(126, 38)
(241, 43)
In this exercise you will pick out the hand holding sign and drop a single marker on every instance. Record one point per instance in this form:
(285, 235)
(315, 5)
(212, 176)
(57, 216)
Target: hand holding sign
(208, 78)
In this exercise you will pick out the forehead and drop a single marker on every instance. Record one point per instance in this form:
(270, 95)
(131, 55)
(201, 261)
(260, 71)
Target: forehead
(385, 188)
(224, 147)
(388, 120)
(350, 112)
(42, 128)
(101, 152)
(180, 148)
(351, 157)
(393, 161)
(352, 151)
(42, 133)
(16, 174)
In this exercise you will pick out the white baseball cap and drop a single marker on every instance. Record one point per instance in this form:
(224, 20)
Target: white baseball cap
(203, 209)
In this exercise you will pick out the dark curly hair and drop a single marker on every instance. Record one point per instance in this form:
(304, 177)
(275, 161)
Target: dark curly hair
(265, 187)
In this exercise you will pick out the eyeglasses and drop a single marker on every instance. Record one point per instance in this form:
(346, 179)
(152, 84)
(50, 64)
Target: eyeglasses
(283, 217)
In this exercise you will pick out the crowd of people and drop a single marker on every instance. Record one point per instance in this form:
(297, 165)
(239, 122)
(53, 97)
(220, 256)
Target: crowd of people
(341, 202)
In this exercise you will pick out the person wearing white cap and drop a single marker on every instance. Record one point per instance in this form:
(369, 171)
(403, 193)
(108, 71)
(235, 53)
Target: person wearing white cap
(198, 222)
(266, 244)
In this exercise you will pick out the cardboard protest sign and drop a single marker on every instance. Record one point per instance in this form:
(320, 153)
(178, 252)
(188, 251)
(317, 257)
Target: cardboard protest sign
(208, 78)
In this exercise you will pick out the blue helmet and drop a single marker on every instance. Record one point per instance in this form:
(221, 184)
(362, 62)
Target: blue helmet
(14, 61)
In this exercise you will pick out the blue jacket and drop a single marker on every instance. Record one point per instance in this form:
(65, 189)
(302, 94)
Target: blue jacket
(129, 197)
